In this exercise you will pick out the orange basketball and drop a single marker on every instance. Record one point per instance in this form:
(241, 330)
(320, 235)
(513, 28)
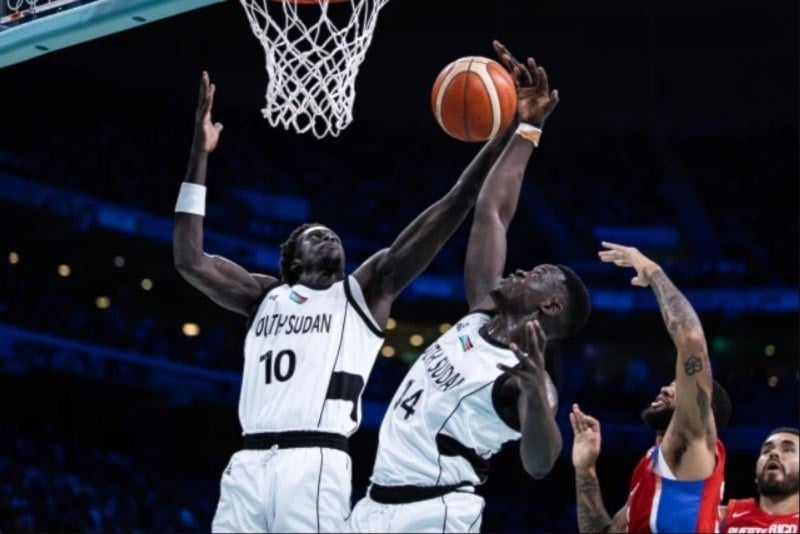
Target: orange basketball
(473, 98)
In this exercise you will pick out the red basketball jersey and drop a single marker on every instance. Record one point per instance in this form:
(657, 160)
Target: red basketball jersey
(746, 516)
(658, 504)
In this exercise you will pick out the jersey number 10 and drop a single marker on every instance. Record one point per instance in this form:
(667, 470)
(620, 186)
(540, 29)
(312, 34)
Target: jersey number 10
(275, 367)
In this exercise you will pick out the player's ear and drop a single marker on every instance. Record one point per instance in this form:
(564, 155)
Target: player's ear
(551, 307)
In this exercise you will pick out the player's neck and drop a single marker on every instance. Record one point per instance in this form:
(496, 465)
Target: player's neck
(507, 329)
(319, 279)
(783, 505)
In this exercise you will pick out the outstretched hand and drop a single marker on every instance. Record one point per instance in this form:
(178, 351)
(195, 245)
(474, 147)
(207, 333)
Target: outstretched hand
(530, 371)
(206, 132)
(623, 256)
(586, 444)
(535, 100)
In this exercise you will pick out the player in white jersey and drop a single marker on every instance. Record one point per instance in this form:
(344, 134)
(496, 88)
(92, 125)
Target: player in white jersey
(312, 339)
(474, 388)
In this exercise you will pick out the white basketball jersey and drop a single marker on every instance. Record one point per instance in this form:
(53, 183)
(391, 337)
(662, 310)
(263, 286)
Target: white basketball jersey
(441, 426)
(307, 356)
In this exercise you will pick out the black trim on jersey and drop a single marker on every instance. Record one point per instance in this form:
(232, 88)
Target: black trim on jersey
(449, 446)
(444, 523)
(319, 483)
(409, 494)
(478, 517)
(296, 439)
(483, 311)
(335, 360)
(252, 315)
(348, 387)
(504, 402)
(439, 459)
(484, 333)
(361, 313)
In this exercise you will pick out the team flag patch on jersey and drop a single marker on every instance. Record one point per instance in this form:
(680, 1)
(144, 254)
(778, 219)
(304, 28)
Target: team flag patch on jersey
(466, 344)
(297, 297)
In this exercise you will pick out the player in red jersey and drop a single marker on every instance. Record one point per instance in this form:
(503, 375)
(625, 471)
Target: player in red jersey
(677, 486)
(778, 485)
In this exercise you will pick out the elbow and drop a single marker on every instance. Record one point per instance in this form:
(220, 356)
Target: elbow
(488, 215)
(182, 262)
(692, 339)
(540, 467)
(188, 265)
(538, 472)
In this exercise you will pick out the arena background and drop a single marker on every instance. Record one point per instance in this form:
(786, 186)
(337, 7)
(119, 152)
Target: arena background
(677, 133)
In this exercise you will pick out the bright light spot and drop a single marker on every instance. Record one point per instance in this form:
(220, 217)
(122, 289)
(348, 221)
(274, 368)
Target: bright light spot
(769, 350)
(190, 329)
(102, 302)
(388, 351)
(119, 261)
(64, 270)
(416, 340)
(444, 327)
(13, 258)
(147, 284)
(391, 324)
(773, 381)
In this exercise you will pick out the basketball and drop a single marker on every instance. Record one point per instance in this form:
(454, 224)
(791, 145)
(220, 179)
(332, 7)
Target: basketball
(473, 98)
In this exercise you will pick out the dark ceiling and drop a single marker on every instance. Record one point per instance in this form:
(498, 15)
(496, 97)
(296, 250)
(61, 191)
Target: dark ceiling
(646, 66)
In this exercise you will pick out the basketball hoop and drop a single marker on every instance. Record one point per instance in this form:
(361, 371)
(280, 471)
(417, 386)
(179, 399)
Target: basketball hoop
(313, 53)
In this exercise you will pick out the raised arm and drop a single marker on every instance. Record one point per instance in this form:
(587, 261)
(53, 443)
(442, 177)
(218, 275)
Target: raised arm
(384, 275)
(592, 513)
(689, 443)
(497, 202)
(223, 281)
(537, 402)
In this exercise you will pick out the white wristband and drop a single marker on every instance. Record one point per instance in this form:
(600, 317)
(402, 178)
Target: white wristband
(529, 132)
(191, 199)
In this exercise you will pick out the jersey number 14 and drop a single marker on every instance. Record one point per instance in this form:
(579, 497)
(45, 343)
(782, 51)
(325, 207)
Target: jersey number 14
(408, 403)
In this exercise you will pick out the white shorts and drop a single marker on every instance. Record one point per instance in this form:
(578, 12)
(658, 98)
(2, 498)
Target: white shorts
(457, 511)
(285, 490)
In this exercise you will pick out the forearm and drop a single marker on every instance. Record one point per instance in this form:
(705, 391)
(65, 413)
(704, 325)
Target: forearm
(472, 178)
(693, 376)
(682, 324)
(676, 310)
(500, 193)
(188, 229)
(541, 440)
(196, 169)
(592, 513)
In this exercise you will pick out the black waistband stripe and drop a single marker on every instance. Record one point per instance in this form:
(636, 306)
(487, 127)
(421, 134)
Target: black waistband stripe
(295, 440)
(408, 494)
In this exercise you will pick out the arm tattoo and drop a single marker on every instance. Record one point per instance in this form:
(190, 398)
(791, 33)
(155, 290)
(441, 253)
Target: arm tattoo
(675, 309)
(692, 365)
(592, 514)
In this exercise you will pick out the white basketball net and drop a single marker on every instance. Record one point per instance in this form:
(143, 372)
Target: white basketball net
(312, 64)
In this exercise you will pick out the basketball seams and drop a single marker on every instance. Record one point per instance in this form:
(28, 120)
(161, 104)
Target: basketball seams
(456, 68)
(465, 104)
(478, 110)
(489, 82)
